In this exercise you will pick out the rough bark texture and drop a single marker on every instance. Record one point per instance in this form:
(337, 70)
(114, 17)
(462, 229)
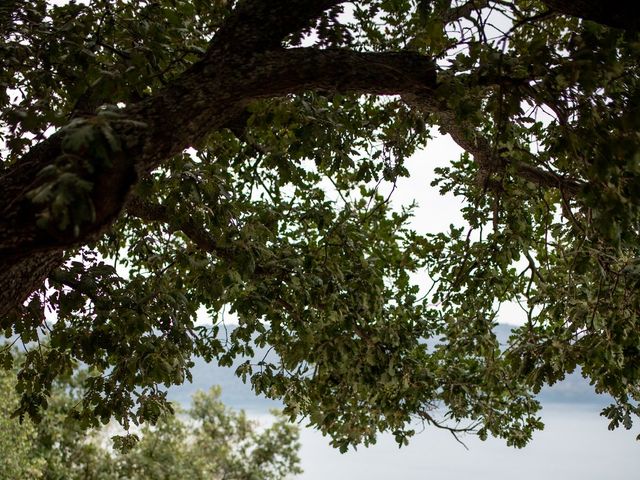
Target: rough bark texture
(204, 98)
(624, 14)
(240, 66)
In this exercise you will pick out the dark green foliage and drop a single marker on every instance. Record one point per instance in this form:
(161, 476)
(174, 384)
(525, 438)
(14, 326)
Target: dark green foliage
(277, 218)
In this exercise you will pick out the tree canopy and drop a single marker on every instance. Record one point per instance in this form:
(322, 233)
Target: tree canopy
(166, 157)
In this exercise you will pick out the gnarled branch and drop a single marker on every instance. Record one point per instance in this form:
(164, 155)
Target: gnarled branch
(614, 13)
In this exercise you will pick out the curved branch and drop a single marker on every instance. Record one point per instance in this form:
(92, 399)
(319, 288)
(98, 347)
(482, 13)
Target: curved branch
(490, 159)
(29, 253)
(206, 97)
(154, 212)
(261, 25)
(464, 11)
(614, 13)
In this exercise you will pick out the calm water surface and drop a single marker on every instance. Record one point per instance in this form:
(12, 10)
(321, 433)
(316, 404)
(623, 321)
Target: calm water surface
(574, 445)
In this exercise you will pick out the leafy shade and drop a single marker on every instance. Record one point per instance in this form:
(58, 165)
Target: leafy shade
(168, 158)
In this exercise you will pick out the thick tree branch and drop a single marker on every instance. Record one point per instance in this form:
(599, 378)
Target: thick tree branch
(244, 63)
(465, 10)
(155, 212)
(261, 25)
(300, 69)
(208, 96)
(621, 14)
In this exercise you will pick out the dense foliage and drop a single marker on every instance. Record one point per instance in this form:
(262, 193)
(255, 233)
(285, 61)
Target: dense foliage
(212, 442)
(295, 113)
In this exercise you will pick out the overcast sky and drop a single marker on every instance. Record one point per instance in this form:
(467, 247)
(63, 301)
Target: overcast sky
(436, 212)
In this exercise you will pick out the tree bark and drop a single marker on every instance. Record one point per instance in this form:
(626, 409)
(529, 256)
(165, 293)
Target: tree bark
(204, 98)
(207, 97)
(623, 14)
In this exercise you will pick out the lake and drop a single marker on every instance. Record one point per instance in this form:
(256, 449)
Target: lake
(574, 445)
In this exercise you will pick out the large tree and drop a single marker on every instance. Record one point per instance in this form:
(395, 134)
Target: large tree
(166, 157)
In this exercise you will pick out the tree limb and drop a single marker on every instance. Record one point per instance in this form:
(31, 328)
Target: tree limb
(154, 212)
(464, 11)
(261, 25)
(236, 70)
(490, 160)
(615, 13)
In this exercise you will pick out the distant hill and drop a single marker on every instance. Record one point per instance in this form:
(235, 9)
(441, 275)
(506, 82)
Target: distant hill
(235, 393)
(574, 389)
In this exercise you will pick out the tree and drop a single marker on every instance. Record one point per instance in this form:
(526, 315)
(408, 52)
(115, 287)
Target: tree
(214, 442)
(168, 156)
(18, 459)
(54, 448)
